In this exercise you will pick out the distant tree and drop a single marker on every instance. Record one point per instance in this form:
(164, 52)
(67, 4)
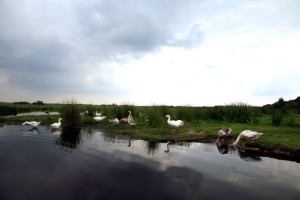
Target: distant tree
(297, 100)
(21, 102)
(38, 103)
(279, 104)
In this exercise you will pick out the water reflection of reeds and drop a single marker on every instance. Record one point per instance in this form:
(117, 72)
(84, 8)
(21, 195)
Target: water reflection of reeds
(151, 147)
(69, 139)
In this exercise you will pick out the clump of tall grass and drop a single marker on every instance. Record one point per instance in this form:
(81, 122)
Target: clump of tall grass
(276, 118)
(238, 112)
(70, 112)
(290, 118)
(213, 113)
(155, 116)
(119, 111)
(89, 111)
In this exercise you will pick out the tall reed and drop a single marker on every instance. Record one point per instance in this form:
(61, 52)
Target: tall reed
(70, 112)
(238, 112)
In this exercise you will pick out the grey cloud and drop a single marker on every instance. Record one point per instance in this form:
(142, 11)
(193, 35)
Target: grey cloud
(49, 45)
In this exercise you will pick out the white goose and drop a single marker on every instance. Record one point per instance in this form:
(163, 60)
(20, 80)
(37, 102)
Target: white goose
(130, 119)
(125, 120)
(34, 124)
(99, 118)
(223, 133)
(56, 125)
(248, 135)
(174, 124)
(115, 121)
(98, 114)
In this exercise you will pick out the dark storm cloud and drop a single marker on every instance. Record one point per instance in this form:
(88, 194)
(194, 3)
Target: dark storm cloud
(52, 44)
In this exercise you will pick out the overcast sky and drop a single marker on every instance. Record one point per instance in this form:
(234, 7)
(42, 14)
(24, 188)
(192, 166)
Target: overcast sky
(150, 52)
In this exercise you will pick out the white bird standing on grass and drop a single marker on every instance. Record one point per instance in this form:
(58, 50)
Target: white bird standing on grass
(98, 119)
(34, 124)
(248, 135)
(130, 119)
(115, 121)
(124, 120)
(174, 123)
(223, 133)
(56, 125)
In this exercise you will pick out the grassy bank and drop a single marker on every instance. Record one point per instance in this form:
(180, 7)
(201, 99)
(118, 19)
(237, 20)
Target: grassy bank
(274, 137)
(281, 129)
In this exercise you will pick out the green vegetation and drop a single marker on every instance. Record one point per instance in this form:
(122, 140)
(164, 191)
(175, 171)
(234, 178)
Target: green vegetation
(7, 109)
(279, 124)
(70, 112)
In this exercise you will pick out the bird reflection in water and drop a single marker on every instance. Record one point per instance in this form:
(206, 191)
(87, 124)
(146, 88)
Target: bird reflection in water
(175, 142)
(56, 132)
(129, 143)
(224, 148)
(30, 132)
(69, 139)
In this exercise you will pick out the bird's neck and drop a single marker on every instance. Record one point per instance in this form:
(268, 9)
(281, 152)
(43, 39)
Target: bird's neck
(238, 139)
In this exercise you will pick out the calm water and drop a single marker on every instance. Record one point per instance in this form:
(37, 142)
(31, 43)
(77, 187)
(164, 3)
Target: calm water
(39, 164)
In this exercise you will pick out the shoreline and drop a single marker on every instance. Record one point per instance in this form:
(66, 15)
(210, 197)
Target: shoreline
(279, 152)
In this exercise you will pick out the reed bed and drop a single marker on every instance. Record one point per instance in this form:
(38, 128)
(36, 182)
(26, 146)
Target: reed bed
(154, 116)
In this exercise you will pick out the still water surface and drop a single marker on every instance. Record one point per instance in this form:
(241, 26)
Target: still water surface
(92, 164)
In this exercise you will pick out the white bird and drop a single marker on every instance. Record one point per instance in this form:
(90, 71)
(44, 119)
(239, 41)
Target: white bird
(98, 114)
(115, 121)
(124, 119)
(56, 125)
(34, 124)
(98, 119)
(131, 123)
(174, 124)
(248, 135)
(84, 113)
(223, 133)
(130, 119)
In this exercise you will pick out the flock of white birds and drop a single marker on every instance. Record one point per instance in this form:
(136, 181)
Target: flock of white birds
(35, 124)
(247, 135)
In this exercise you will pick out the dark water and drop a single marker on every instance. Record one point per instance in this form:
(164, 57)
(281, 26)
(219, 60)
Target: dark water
(90, 164)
